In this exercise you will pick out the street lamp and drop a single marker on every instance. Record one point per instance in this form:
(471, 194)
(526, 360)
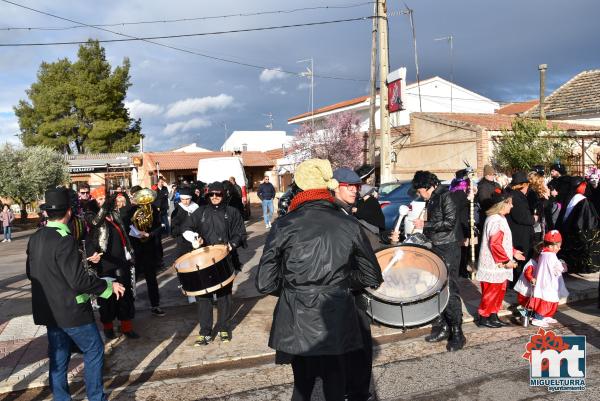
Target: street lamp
(450, 40)
(310, 72)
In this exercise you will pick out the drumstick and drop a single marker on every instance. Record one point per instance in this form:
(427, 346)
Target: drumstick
(100, 254)
(397, 256)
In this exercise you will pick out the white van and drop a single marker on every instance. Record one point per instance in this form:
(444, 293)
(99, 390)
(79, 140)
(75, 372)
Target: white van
(220, 169)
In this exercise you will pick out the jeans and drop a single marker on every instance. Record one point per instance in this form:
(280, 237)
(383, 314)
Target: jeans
(267, 207)
(87, 338)
(7, 232)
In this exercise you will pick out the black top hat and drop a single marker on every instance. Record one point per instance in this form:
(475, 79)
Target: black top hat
(560, 168)
(56, 199)
(520, 177)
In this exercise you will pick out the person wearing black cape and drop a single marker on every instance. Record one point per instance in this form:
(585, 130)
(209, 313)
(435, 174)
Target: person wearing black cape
(578, 224)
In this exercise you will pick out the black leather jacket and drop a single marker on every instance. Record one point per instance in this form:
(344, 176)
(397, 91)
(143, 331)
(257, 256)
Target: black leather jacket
(442, 225)
(312, 258)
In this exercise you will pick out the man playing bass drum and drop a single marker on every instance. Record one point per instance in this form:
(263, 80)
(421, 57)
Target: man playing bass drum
(442, 228)
(213, 224)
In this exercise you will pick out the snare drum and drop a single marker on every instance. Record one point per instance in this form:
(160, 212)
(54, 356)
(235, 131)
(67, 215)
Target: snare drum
(204, 270)
(415, 288)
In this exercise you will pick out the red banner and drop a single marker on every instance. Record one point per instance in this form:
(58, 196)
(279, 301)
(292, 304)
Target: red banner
(394, 96)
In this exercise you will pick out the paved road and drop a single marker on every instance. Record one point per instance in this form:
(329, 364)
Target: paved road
(489, 368)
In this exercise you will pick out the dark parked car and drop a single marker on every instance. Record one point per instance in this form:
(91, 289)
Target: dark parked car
(391, 196)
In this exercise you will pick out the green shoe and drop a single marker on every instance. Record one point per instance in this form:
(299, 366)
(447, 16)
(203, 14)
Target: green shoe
(224, 336)
(202, 340)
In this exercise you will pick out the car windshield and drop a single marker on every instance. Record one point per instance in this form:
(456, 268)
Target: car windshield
(385, 189)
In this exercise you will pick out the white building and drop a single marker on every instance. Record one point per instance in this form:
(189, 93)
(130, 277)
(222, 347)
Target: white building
(436, 95)
(243, 141)
(191, 148)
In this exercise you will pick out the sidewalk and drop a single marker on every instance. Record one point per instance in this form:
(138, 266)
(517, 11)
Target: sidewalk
(166, 348)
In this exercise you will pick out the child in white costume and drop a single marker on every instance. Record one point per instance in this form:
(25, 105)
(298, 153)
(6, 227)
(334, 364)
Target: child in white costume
(541, 284)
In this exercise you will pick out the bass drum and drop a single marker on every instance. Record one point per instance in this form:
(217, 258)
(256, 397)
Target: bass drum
(204, 270)
(415, 288)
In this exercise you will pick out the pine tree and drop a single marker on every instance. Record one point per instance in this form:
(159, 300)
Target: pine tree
(79, 107)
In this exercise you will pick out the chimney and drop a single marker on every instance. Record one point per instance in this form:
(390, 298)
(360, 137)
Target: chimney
(542, 68)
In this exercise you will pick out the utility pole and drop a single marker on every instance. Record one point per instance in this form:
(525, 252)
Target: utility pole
(384, 129)
(371, 135)
(542, 68)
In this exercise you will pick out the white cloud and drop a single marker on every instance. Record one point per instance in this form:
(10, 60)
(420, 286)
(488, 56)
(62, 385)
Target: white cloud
(184, 126)
(271, 74)
(137, 108)
(9, 126)
(199, 105)
(277, 91)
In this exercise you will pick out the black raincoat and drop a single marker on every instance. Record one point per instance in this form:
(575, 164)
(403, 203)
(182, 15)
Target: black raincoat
(312, 258)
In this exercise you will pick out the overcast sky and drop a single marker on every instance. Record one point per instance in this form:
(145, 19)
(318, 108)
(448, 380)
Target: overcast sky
(184, 98)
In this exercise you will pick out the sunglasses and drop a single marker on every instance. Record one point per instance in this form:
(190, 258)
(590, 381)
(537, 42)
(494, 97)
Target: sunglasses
(215, 195)
(84, 192)
(356, 186)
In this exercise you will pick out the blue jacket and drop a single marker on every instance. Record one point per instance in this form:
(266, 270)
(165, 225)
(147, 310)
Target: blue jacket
(266, 191)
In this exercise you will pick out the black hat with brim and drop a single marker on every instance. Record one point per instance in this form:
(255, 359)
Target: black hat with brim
(56, 199)
(520, 177)
(498, 196)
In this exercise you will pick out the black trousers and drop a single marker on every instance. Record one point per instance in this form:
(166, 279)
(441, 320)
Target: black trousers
(122, 309)
(451, 254)
(359, 363)
(151, 283)
(205, 311)
(331, 370)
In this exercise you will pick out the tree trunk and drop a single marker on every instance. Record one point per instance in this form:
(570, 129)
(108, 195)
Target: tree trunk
(23, 206)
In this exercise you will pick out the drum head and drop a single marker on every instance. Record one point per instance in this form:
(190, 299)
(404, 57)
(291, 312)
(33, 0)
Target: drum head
(201, 258)
(411, 273)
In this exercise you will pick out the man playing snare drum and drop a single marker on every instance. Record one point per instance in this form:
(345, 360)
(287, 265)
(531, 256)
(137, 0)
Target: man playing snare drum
(213, 224)
(442, 228)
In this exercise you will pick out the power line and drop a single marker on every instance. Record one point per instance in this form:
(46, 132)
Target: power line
(180, 49)
(185, 35)
(115, 24)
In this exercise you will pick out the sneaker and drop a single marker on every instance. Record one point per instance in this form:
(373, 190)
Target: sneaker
(5, 240)
(202, 340)
(224, 336)
(9, 240)
(539, 323)
(157, 311)
(132, 335)
(550, 320)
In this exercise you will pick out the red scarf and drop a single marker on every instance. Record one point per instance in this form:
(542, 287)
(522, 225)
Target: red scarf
(310, 195)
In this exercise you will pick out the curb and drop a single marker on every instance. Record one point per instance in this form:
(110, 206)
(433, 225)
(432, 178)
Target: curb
(202, 367)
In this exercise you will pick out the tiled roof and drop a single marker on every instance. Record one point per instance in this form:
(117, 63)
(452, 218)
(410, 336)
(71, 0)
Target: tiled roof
(516, 108)
(335, 106)
(100, 156)
(579, 96)
(495, 122)
(275, 154)
(189, 161)
(100, 159)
